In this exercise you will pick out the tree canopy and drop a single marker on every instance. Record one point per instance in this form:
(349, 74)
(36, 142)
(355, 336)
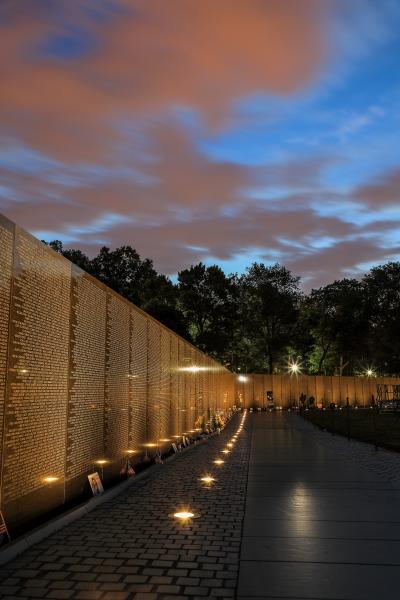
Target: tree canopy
(261, 319)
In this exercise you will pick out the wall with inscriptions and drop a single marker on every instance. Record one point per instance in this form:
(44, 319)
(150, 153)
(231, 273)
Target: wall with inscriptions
(6, 269)
(85, 433)
(87, 380)
(250, 390)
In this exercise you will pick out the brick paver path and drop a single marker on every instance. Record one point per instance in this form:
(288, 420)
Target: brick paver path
(129, 548)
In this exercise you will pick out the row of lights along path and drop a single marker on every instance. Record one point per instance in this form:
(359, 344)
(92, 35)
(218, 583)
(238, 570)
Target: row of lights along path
(208, 480)
(137, 546)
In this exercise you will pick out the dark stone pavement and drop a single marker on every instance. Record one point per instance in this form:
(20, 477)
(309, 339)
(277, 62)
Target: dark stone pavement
(317, 526)
(289, 518)
(129, 547)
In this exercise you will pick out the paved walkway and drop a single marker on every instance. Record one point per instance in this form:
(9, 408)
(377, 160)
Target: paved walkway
(129, 548)
(316, 524)
(289, 518)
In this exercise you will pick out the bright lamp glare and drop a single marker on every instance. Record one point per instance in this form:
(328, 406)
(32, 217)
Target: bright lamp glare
(184, 515)
(294, 368)
(193, 369)
(207, 479)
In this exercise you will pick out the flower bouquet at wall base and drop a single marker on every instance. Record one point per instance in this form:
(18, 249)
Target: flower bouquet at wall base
(127, 470)
(217, 422)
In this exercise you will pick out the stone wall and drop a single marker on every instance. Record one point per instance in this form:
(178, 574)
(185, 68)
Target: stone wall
(250, 390)
(85, 376)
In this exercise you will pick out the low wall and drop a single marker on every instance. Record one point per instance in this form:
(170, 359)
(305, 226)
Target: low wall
(250, 389)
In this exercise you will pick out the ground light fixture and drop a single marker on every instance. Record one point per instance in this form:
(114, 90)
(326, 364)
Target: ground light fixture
(225, 451)
(229, 444)
(102, 461)
(150, 445)
(50, 479)
(207, 479)
(184, 515)
(218, 461)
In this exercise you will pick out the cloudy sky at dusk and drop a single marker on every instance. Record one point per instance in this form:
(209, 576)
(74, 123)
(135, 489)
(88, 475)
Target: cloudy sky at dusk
(225, 131)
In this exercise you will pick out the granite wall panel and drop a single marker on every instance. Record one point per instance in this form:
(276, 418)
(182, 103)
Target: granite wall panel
(6, 271)
(34, 444)
(86, 407)
(138, 377)
(117, 380)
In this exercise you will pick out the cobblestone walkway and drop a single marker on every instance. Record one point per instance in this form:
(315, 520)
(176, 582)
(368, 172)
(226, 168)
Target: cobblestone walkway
(129, 548)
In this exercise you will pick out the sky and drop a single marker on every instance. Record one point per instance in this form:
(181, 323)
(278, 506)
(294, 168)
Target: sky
(226, 132)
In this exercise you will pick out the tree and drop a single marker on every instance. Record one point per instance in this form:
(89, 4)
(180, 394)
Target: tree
(338, 319)
(209, 300)
(271, 299)
(76, 256)
(125, 272)
(382, 290)
(135, 279)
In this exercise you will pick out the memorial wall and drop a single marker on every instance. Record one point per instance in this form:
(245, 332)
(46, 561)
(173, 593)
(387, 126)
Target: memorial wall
(87, 380)
(251, 390)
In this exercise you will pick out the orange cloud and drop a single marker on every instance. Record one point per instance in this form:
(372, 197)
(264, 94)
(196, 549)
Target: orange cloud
(150, 55)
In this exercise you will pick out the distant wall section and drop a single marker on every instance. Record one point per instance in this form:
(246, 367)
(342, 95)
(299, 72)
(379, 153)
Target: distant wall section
(250, 390)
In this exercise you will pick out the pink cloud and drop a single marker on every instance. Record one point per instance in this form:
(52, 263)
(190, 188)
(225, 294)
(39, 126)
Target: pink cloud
(150, 56)
(384, 191)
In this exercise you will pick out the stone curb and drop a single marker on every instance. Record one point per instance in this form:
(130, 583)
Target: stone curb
(14, 549)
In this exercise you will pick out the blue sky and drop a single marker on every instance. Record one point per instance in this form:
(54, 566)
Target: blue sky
(265, 133)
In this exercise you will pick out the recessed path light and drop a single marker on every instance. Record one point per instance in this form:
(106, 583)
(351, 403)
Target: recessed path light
(207, 479)
(184, 515)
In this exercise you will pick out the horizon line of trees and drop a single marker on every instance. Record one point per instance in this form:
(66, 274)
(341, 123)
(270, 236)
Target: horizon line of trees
(262, 321)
